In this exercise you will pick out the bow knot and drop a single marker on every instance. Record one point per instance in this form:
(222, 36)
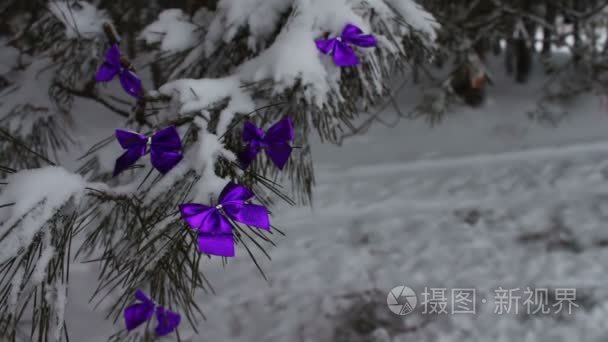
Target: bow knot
(138, 313)
(115, 65)
(148, 145)
(164, 147)
(213, 225)
(340, 47)
(275, 142)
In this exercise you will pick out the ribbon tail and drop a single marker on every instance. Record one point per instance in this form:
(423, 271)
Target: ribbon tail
(279, 154)
(216, 244)
(344, 55)
(126, 160)
(247, 156)
(137, 314)
(167, 321)
(131, 83)
(165, 161)
(106, 72)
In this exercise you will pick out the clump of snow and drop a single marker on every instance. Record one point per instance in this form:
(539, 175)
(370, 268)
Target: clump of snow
(196, 95)
(80, 18)
(172, 30)
(205, 154)
(418, 19)
(37, 194)
(293, 57)
(260, 17)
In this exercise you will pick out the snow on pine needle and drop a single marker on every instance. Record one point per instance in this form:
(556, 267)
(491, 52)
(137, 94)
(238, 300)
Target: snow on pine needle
(36, 106)
(40, 272)
(195, 95)
(202, 157)
(291, 58)
(36, 227)
(37, 195)
(80, 18)
(260, 17)
(29, 113)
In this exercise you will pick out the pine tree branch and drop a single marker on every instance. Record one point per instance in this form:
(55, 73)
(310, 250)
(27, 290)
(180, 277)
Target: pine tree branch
(21, 144)
(90, 94)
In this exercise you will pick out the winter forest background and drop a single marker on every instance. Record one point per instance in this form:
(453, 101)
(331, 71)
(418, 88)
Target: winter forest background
(467, 149)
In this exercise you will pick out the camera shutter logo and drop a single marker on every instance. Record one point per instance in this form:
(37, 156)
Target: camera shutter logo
(401, 300)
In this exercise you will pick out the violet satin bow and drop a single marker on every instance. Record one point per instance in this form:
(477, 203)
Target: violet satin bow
(112, 67)
(213, 225)
(340, 48)
(164, 147)
(138, 313)
(275, 142)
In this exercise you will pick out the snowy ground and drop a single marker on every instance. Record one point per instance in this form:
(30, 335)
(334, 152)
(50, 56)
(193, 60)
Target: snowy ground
(486, 199)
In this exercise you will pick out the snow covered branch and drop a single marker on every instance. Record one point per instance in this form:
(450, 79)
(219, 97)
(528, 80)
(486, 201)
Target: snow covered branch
(226, 64)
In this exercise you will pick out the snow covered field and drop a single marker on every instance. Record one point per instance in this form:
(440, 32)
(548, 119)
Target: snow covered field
(486, 199)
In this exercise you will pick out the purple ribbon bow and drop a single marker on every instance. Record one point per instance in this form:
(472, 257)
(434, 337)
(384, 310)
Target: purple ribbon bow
(138, 313)
(112, 66)
(164, 147)
(214, 229)
(339, 47)
(275, 142)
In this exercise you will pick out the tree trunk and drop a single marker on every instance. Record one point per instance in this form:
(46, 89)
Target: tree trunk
(550, 13)
(523, 60)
